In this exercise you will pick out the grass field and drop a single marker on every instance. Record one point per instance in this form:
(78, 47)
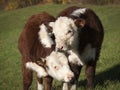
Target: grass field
(108, 67)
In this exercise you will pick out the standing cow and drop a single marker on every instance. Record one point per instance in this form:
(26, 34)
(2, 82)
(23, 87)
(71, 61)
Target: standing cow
(36, 45)
(81, 31)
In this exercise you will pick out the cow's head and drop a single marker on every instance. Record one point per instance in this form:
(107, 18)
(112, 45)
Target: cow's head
(56, 65)
(65, 30)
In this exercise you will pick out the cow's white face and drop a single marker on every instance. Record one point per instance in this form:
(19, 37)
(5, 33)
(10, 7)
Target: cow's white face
(64, 29)
(58, 67)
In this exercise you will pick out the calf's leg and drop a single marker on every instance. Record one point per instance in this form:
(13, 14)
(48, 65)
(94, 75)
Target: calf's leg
(27, 75)
(76, 70)
(48, 82)
(40, 83)
(90, 73)
(65, 86)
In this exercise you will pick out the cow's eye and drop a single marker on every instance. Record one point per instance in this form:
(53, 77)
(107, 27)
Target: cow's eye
(70, 31)
(56, 67)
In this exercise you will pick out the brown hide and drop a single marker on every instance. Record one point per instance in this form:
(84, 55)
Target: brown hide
(29, 43)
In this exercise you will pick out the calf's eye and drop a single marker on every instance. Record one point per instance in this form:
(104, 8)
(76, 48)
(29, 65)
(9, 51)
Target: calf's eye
(56, 67)
(70, 31)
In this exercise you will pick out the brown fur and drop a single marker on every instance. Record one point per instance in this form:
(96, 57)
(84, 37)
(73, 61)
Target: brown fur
(30, 47)
(92, 33)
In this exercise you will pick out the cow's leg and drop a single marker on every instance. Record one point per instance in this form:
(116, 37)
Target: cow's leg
(27, 75)
(65, 86)
(40, 83)
(90, 73)
(74, 85)
(48, 83)
(76, 69)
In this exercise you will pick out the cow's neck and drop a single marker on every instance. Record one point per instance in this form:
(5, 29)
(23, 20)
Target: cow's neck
(74, 45)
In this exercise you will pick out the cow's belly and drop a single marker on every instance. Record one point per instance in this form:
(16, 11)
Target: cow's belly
(88, 54)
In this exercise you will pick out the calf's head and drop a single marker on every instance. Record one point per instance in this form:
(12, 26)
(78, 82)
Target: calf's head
(56, 65)
(65, 30)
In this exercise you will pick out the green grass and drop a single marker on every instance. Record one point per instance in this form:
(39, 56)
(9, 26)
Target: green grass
(12, 23)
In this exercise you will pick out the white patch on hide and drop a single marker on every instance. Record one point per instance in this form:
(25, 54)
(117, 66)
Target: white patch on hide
(78, 12)
(74, 58)
(51, 24)
(44, 37)
(88, 53)
(40, 70)
(40, 86)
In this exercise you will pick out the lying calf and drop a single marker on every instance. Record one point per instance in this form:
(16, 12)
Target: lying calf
(36, 45)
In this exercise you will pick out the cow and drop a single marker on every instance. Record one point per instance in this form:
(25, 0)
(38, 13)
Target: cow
(81, 33)
(37, 47)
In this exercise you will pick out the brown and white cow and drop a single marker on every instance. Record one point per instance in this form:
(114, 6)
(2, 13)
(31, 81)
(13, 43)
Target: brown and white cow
(80, 33)
(36, 44)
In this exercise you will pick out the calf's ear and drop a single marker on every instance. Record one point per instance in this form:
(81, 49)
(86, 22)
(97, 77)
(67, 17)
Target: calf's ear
(80, 22)
(41, 62)
(51, 24)
(41, 72)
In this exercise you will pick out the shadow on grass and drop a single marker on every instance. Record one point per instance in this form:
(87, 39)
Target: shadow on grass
(111, 74)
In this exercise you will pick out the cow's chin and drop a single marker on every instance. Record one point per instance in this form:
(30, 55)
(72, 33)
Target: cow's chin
(63, 79)
(55, 76)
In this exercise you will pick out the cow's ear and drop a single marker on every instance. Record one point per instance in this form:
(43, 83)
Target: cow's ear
(80, 22)
(51, 24)
(41, 62)
(41, 72)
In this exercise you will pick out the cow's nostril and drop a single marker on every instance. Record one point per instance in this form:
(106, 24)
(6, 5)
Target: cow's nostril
(61, 48)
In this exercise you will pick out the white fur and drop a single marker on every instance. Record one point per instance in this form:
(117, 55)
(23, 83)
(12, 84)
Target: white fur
(65, 86)
(45, 37)
(73, 58)
(88, 53)
(59, 67)
(40, 86)
(40, 70)
(73, 87)
(78, 12)
(60, 29)
(51, 24)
